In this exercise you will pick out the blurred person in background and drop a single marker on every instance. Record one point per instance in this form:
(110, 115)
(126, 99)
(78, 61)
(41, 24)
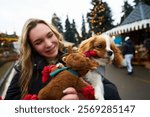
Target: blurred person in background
(128, 52)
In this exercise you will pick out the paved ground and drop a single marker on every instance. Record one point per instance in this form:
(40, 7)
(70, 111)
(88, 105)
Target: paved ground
(5, 85)
(134, 87)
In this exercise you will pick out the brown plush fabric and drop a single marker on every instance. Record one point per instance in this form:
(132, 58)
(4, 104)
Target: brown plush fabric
(54, 89)
(76, 61)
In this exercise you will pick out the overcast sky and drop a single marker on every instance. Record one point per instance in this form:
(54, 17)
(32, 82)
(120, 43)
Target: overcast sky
(14, 13)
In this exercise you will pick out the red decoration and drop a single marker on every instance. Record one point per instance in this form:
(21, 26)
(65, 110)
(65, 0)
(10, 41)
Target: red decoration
(88, 92)
(90, 53)
(1, 98)
(46, 71)
(30, 97)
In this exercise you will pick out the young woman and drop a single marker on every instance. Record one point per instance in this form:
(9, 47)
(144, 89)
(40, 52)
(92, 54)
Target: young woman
(41, 45)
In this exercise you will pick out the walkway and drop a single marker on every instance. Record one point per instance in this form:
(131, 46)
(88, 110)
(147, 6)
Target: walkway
(134, 87)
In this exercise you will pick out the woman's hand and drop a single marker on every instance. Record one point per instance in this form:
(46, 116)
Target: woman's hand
(71, 94)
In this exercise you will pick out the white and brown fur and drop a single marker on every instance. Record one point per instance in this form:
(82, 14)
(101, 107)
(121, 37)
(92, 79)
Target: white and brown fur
(107, 52)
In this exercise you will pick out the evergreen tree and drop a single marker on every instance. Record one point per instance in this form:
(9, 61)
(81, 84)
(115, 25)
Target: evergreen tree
(136, 2)
(68, 32)
(74, 38)
(99, 18)
(146, 2)
(71, 34)
(76, 34)
(126, 10)
(83, 31)
(108, 21)
(57, 23)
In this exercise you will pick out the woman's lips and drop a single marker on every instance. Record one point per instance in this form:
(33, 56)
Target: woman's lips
(50, 50)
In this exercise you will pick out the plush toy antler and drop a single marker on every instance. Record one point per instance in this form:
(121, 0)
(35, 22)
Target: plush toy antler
(77, 65)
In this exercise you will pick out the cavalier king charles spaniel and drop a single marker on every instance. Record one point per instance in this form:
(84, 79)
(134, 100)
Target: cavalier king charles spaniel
(102, 50)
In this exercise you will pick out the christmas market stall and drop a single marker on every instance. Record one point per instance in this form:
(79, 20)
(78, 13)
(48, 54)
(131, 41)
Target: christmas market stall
(137, 27)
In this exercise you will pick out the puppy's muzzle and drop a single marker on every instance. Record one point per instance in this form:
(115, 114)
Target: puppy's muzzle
(109, 53)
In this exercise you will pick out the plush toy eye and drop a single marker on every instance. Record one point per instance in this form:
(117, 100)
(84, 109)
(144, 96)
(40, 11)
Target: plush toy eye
(99, 46)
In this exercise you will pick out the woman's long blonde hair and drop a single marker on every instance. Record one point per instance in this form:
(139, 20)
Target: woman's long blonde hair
(26, 52)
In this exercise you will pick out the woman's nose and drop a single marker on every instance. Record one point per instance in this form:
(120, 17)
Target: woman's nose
(48, 42)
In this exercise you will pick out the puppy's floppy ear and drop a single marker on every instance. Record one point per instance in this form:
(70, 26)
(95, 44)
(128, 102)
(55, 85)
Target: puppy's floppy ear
(118, 57)
(86, 45)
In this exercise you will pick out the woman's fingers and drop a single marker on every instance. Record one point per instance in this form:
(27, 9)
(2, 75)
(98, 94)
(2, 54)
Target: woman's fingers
(70, 90)
(70, 97)
(71, 94)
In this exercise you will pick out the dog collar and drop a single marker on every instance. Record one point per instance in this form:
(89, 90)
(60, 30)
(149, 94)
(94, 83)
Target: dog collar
(62, 69)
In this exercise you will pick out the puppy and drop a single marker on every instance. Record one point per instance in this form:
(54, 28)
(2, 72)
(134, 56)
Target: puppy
(102, 50)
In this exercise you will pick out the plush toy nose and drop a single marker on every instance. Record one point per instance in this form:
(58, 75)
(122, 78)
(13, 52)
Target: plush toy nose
(109, 53)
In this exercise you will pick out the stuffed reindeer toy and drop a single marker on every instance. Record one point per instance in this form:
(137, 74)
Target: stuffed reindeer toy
(77, 65)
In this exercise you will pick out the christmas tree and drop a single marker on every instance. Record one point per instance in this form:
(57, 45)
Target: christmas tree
(99, 18)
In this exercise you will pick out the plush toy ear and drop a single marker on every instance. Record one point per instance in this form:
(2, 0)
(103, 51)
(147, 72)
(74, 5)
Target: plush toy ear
(64, 59)
(69, 49)
(74, 49)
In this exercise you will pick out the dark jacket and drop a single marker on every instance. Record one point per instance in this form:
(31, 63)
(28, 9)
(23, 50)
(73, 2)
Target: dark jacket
(14, 93)
(128, 47)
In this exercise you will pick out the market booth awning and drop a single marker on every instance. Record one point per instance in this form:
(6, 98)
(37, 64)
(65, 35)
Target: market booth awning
(8, 38)
(137, 26)
(138, 19)
(143, 24)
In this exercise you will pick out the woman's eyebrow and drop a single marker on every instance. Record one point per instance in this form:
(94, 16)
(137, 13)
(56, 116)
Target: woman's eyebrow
(39, 39)
(36, 40)
(50, 32)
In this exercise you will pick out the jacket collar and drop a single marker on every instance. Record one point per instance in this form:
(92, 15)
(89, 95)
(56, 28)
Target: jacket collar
(40, 62)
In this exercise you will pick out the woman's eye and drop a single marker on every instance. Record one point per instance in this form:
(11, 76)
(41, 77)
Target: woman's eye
(37, 42)
(50, 35)
(99, 46)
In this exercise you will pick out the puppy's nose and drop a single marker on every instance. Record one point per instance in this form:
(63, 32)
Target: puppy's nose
(109, 53)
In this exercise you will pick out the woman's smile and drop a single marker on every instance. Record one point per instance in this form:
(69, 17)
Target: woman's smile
(51, 50)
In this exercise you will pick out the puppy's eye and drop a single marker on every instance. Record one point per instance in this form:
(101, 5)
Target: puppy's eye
(99, 46)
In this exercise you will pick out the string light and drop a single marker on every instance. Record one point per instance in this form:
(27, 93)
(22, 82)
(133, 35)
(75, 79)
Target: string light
(96, 16)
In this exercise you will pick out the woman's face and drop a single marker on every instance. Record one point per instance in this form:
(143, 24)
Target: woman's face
(44, 41)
